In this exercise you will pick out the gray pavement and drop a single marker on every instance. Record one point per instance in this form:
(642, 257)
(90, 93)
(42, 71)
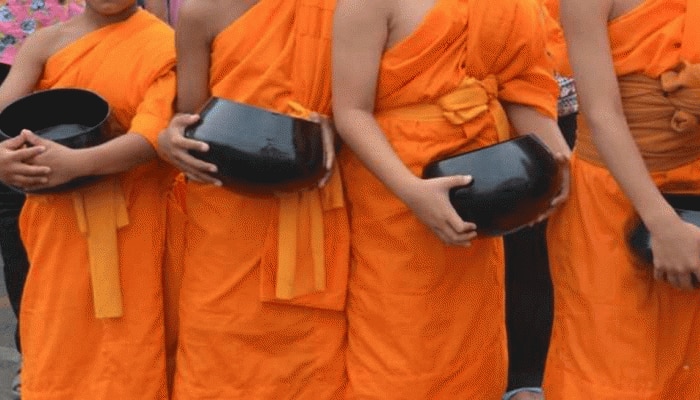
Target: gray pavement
(8, 354)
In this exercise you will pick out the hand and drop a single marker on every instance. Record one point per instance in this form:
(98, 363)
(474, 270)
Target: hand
(174, 148)
(14, 167)
(429, 199)
(64, 163)
(328, 134)
(565, 171)
(676, 252)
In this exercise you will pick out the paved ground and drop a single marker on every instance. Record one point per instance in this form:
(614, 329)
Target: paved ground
(8, 355)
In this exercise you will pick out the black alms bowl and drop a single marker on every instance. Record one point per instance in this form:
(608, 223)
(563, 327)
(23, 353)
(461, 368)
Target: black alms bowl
(513, 183)
(259, 151)
(75, 118)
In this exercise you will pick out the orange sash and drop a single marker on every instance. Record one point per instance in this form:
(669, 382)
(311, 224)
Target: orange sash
(662, 115)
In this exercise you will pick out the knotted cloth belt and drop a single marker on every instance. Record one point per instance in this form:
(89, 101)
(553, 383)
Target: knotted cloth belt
(469, 100)
(663, 116)
(292, 205)
(100, 210)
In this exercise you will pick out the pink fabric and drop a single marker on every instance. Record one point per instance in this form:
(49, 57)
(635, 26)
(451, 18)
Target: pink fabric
(20, 18)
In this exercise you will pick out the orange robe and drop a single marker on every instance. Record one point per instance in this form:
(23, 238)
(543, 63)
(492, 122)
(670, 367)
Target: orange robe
(69, 353)
(618, 333)
(556, 44)
(237, 339)
(426, 320)
(173, 265)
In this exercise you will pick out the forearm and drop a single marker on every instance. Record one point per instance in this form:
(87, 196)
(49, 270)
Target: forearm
(117, 155)
(361, 132)
(622, 158)
(585, 26)
(527, 120)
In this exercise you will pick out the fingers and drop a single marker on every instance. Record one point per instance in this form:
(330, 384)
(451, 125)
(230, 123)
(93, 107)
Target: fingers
(184, 144)
(328, 150)
(182, 121)
(175, 148)
(34, 139)
(455, 231)
(193, 167)
(450, 182)
(680, 281)
(14, 143)
(28, 153)
(561, 158)
(453, 238)
(197, 170)
(27, 181)
(328, 144)
(203, 178)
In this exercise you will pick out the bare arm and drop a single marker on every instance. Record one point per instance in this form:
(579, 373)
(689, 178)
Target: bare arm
(27, 69)
(676, 245)
(14, 156)
(360, 35)
(193, 43)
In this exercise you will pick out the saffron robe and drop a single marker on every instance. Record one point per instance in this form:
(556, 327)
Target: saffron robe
(237, 338)
(556, 43)
(426, 320)
(618, 333)
(68, 353)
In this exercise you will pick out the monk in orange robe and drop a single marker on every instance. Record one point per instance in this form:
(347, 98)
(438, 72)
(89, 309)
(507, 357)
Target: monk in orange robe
(618, 332)
(92, 315)
(415, 82)
(246, 331)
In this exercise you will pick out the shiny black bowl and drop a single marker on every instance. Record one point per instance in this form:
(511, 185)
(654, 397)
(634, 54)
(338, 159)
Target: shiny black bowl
(75, 118)
(259, 151)
(513, 183)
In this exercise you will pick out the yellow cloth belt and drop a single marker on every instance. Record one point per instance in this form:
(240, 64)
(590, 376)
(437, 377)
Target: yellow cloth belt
(663, 116)
(469, 100)
(292, 205)
(100, 210)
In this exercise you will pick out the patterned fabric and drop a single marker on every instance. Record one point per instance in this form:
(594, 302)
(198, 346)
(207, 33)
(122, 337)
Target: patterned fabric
(20, 18)
(567, 103)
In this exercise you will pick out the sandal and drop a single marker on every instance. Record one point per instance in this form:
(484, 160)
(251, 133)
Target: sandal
(509, 395)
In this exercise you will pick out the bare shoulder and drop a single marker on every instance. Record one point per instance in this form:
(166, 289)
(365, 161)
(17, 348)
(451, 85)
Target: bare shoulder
(353, 11)
(212, 16)
(43, 43)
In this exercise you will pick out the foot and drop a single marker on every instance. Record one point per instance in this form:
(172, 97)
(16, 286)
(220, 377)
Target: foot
(16, 387)
(528, 396)
(524, 393)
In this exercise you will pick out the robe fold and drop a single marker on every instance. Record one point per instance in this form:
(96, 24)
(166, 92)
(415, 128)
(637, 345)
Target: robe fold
(69, 353)
(248, 331)
(426, 320)
(618, 333)
(556, 43)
